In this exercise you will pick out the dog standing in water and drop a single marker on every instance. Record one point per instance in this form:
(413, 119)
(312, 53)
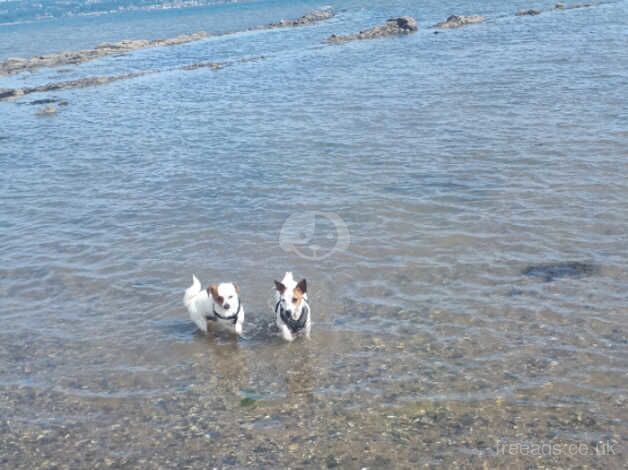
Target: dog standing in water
(292, 311)
(219, 303)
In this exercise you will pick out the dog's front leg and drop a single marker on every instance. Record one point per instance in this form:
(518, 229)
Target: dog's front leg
(239, 323)
(286, 333)
(308, 327)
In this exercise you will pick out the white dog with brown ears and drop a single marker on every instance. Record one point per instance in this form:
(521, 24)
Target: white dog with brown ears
(291, 308)
(218, 303)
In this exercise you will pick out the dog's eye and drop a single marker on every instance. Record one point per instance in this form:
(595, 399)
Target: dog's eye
(231, 296)
(294, 300)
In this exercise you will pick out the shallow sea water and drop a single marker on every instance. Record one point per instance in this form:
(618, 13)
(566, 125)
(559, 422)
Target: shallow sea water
(456, 161)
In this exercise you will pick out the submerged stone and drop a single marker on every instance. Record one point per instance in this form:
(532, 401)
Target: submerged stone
(47, 111)
(550, 271)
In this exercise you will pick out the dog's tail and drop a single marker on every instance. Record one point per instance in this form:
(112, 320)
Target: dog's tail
(192, 291)
(196, 315)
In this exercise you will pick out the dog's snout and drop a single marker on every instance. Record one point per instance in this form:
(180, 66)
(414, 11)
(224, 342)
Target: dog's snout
(226, 306)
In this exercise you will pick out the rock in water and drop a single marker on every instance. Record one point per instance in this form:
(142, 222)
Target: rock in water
(18, 65)
(47, 111)
(392, 27)
(530, 12)
(58, 101)
(562, 6)
(9, 93)
(43, 101)
(549, 272)
(309, 18)
(455, 21)
(204, 65)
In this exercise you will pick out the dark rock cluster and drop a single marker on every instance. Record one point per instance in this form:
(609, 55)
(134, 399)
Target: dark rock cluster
(392, 27)
(455, 21)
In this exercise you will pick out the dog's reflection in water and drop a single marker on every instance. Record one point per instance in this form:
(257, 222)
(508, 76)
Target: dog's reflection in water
(223, 368)
(262, 367)
(301, 384)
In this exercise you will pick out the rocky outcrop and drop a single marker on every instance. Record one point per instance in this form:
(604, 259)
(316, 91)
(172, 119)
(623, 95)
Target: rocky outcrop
(7, 94)
(530, 12)
(16, 65)
(392, 27)
(455, 21)
(307, 19)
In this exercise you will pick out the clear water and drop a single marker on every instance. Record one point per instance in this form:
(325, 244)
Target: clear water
(455, 160)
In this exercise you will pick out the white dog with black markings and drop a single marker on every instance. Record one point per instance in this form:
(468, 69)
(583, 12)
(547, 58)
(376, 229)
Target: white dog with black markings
(219, 303)
(292, 311)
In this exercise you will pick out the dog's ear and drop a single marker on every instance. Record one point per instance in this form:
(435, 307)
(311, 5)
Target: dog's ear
(302, 286)
(280, 287)
(236, 287)
(213, 291)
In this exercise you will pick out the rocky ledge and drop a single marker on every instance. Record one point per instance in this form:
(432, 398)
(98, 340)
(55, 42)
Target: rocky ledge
(530, 12)
(562, 6)
(558, 6)
(12, 94)
(309, 18)
(17, 65)
(50, 101)
(392, 27)
(455, 21)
